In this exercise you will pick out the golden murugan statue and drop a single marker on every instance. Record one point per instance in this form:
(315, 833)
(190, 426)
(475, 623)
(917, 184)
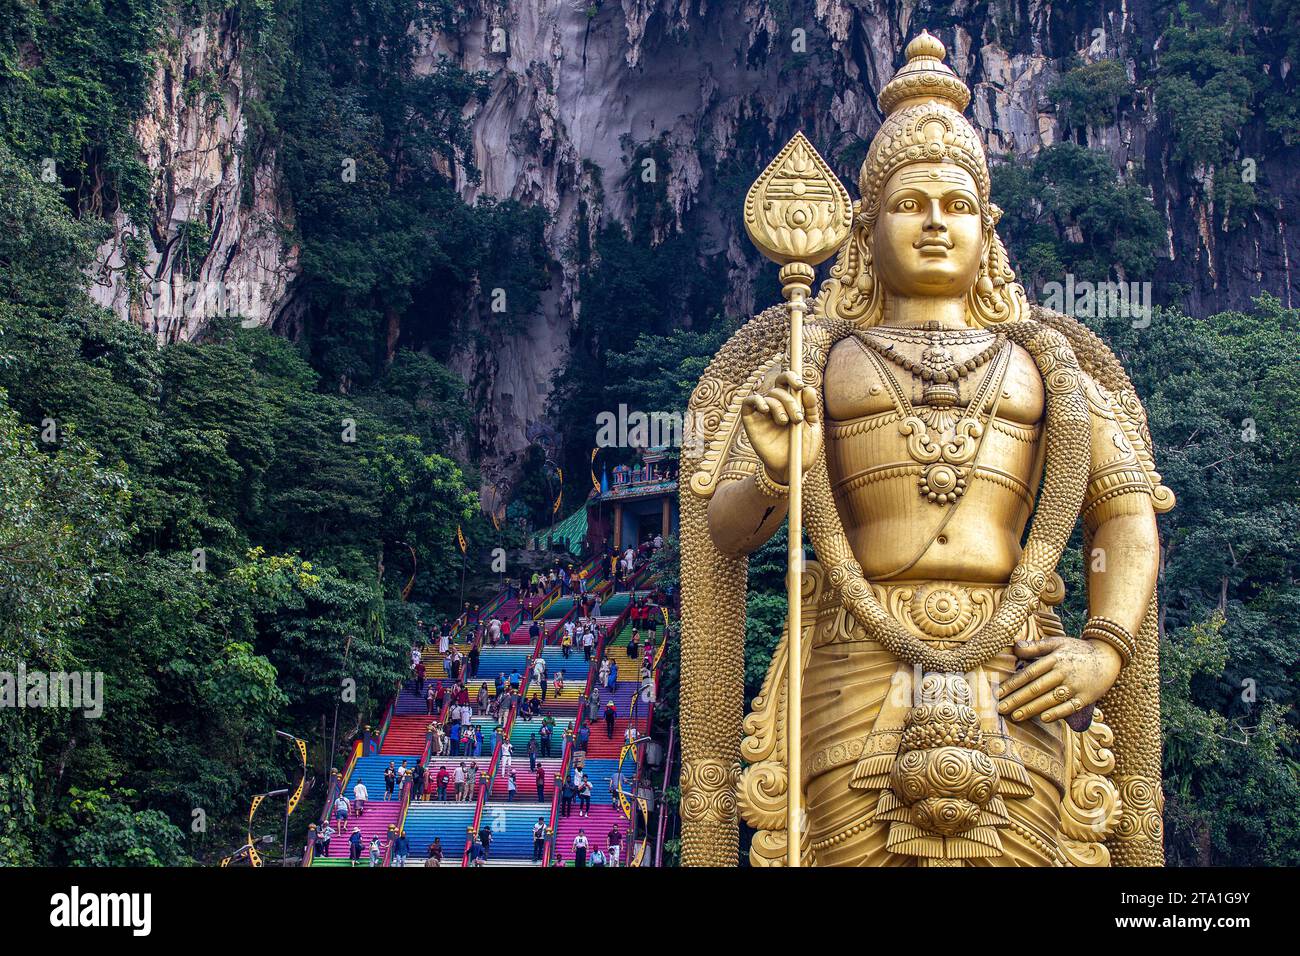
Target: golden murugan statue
(942, 716)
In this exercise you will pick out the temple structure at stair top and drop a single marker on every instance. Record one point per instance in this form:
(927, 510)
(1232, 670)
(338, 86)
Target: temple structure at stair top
(635, 502)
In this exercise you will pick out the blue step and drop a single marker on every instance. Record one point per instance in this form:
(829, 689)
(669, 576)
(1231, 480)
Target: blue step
(370, 770)
(448, 821)
(512, 828)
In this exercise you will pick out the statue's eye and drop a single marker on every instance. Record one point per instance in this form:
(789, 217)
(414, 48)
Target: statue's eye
(960, 205)
(907, 205)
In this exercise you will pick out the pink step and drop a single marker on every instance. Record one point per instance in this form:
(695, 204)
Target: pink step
(379, 816)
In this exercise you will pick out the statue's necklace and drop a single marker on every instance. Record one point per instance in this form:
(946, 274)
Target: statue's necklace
(936, 367)
(945, 450)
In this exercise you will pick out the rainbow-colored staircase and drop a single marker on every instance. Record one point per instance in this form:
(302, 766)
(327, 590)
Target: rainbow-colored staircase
(405, 736)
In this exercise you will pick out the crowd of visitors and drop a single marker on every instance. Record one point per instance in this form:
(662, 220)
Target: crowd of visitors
(451, 706)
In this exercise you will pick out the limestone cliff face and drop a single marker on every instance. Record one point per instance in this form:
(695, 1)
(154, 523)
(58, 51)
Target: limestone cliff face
(577, 87)
(213, 244)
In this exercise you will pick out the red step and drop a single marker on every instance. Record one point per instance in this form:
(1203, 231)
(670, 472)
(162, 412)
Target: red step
(406, 735)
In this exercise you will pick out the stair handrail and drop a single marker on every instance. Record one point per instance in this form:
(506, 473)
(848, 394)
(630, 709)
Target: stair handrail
(486, 777)
(423, 761)
(388, 716)
(549, 597)
(565, 756)
(663, 817)
(655, 675)
(336, 784)
(485, 781)
(408, 789)
(394, 828)
(571, 744)
(571, 741)
(626, 804)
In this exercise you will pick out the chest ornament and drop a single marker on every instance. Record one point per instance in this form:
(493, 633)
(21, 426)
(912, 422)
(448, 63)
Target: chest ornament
(942, 440)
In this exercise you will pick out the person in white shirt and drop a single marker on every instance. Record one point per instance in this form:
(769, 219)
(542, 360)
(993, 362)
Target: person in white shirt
(323, 837)
(539, 668)
(580, 845)
(359, 797)
(460, 782)
(494, 631)
(507, 755)
(659, 541)
(539, 839)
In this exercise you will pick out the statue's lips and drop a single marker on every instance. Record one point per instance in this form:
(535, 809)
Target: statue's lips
(938, 247)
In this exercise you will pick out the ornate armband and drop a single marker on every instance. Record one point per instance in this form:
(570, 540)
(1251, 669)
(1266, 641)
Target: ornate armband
(769, 487)
(1118, 637)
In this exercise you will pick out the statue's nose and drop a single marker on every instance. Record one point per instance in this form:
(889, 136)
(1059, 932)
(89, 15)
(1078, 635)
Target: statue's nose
(934, 221)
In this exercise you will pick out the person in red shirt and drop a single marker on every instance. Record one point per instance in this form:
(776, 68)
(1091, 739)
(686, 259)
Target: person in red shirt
(444, 778)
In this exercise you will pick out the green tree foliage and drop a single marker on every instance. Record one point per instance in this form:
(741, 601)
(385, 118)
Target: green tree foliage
(1222, 398)
(629, 344)
(72, 76)
(370, 146)
(1212, 81)
(1205, 86)
(1066, 211)
(103, 830)
(1089, 94)
(226, 543)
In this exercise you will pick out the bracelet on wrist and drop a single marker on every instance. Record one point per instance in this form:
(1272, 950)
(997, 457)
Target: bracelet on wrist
(768, 486)
(1116, 635)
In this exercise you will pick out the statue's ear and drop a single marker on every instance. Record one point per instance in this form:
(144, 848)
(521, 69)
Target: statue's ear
(996, 212)
(996, 296)
(850, 292)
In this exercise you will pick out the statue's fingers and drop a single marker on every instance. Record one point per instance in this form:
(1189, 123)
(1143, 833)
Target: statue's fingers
(1061, 711)
(755, 404)
(784, 408)
(1033, 689)
(812, 405)
(1026, 650)
(1053, 698)
(1023, 676)
(789, 380)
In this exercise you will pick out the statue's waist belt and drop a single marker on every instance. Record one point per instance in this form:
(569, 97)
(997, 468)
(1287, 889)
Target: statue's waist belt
(946, 613)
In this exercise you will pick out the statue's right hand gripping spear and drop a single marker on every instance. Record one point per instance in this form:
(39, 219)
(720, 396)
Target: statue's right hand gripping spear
(798, 214)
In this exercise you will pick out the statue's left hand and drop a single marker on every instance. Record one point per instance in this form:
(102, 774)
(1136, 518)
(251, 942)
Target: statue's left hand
(1065, 676)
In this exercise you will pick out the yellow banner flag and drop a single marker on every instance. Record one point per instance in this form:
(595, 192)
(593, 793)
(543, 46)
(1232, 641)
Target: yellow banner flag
(460, 540)
(297, 794)
(254, 858)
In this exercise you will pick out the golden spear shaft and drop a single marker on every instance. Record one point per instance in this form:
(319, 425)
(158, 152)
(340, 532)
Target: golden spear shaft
(797, 213)
(795, 287)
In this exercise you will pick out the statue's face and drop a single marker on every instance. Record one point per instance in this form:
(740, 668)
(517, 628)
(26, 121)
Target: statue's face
(928, 238)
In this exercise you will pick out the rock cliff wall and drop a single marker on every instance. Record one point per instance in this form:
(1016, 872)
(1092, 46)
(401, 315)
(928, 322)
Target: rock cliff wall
(577, 87)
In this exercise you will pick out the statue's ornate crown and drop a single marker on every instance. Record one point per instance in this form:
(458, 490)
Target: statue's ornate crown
(923, 106)
(925, 76)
